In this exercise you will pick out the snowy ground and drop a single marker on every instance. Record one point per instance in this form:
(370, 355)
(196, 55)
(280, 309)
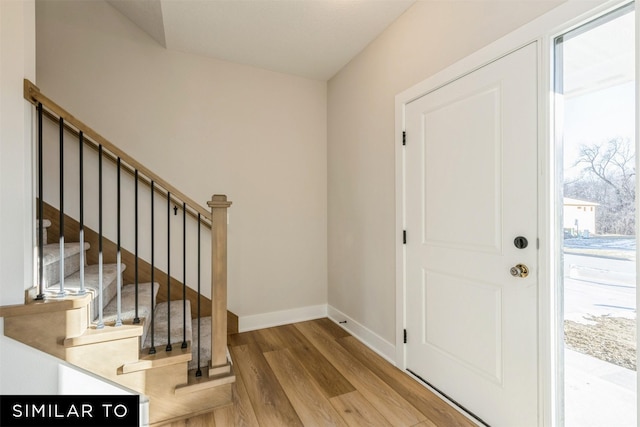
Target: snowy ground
(620, 247)
(600, 312)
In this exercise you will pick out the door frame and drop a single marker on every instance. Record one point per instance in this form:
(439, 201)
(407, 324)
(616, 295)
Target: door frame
(542, 30)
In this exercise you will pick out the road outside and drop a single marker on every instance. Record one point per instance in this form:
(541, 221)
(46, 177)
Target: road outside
(600, 331)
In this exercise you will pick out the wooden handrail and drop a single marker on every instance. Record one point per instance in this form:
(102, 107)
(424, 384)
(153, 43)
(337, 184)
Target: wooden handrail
(32, 94)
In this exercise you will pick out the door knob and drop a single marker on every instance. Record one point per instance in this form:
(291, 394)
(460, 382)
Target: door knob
(519, 270)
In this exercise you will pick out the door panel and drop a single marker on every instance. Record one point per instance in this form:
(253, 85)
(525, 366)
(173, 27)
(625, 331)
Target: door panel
(478, 345)
(454, 226)
(471, 189)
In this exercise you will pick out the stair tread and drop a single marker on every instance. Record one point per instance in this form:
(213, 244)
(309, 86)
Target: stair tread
(92, 277)
(108, 333)
(45, 223)
(91, 284)
(157, 360)
(51, 251)
(47, 305)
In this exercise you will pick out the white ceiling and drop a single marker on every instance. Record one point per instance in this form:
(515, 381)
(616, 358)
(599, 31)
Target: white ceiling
(309, 38)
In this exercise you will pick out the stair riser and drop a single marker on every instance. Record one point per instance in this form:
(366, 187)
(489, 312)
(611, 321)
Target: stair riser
(161, 331)
(52, 270)
(205, 343)
(105, 359)
(108, 293)
(44, 236)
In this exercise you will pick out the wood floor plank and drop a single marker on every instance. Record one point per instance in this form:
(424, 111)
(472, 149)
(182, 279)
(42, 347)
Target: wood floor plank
(241, 412)
(387, 401)
(269, 401)
(281, 337)
(225, 416)
(307, 399)
(234, 340)
(432, 406)
(281, 388)
(325, 375)
(426, 423)
(357, 411)
(204, 420)
(332, 328)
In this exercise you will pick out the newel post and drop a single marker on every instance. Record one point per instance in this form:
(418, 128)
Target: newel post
(219, 206)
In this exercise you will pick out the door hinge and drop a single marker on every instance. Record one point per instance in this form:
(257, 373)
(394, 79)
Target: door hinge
(404, 137)
(404, 237)
(405, 336)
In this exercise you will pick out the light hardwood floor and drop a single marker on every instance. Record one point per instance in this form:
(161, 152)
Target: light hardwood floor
(315, 374)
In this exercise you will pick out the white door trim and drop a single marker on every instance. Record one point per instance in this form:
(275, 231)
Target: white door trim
(543, 29)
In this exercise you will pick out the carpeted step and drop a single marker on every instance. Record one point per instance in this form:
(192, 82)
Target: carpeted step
(45, 224)
(205, 339)
(128, 305)
(91, 284)
(51, 261)
(161, 329)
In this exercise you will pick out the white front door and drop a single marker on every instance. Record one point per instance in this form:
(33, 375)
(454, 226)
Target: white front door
(471, 190)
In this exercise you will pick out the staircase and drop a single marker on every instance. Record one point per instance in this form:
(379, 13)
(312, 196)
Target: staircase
(93, 313)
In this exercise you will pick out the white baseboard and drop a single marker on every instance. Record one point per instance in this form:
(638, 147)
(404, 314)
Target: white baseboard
(369, 338)
(278, 318)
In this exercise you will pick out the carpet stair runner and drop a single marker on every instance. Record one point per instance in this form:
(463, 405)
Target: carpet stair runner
(173, 309)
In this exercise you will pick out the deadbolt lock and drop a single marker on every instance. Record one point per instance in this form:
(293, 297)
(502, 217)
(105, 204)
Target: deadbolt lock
(519, 270)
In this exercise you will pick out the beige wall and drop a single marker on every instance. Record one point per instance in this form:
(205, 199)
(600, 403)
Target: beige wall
(426, 39)
(207, 126)
(17, 61)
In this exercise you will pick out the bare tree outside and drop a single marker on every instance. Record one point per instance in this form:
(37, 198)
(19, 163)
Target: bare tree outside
(606, 175)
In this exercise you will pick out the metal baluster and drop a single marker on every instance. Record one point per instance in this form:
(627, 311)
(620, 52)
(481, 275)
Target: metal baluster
(184, 275)
(152, 350)
(199, 371)
(168, 348)
(100, 260)
(136, 318)
(82, 290)
(118, 260)
(40, 295)
(61, 292)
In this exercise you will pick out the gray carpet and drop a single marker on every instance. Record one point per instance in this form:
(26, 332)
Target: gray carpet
(160, 326)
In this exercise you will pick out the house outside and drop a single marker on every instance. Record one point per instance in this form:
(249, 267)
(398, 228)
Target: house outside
(579, 218)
